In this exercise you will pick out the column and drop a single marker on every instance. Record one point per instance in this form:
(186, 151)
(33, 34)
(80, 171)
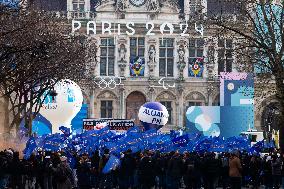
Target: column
(122, 102)
(180, 107)
(92, 103)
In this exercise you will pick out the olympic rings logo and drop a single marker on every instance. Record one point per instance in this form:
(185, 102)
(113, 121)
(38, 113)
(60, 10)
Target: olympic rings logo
(162, 84)
(108, 82)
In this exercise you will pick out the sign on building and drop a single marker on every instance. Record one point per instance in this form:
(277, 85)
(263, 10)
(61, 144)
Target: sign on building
(113, 124)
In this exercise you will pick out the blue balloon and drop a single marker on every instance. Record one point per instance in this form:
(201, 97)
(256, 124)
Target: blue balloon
(153, 115)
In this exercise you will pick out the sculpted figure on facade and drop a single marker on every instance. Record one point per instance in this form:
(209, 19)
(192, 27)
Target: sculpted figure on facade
(152, 54)
(181, 63)
(181, 55)
(122, 53)
(122, 5)
(153, 5)
(152, 60)
(122, 59)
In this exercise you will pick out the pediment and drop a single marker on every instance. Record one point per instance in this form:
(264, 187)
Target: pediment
(105, 6)
(150, 6)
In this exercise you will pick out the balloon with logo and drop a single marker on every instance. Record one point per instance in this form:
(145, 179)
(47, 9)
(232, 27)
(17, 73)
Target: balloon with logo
(153, 115)
(61, 108)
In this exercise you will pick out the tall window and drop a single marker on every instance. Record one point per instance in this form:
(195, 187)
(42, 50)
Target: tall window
(168, 105)
(106, 109)
(225, 55)
(137, 47)
(196, 48)
(217, 7)
(194, 104)
(78, 5)
(107, 57)
(166, 60)
(195, 6)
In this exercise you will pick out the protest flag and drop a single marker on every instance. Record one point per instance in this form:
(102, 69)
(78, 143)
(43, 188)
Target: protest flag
(111, 164)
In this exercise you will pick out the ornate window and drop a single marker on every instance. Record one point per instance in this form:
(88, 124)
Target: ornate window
(107, 57)
(168, 105)
(221, 7)
(137, 53)
(166, 60)
(137, 47)
(194, 6)
(225, 55)
(106, 109)
(196, 50)
(78, 5)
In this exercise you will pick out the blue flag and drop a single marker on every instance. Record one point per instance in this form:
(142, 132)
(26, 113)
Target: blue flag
(30, 147)
(65, 130)
(111, 164)
(181, 140)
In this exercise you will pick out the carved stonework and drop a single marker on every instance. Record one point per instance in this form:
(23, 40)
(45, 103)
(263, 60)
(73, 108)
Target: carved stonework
(106, 95)
(122, 5)
(166, 96)
(122, 62)
(153, 5)
(182, 45)
(195, 96)
(152, 57)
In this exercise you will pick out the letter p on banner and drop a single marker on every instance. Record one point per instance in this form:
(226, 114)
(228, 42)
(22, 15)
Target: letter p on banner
(78, 23)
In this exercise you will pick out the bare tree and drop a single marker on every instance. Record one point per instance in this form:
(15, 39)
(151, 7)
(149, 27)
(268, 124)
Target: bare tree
(36, 51)
(257, 27)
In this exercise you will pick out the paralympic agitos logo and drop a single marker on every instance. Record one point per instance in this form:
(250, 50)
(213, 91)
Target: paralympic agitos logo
(109, 28)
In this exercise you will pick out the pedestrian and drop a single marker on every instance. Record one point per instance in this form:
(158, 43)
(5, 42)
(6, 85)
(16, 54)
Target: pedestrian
(235, 169)
(276, 171)
(64, 175)
(175, 170)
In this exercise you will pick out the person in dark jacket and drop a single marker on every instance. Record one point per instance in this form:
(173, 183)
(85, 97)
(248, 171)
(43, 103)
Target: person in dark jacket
(106, 179)
(146, 171)
(94, 171)
(211, 171)
(83, 172)
(254, 172)
(175, 171)
(160, 170)
(16, 171)
(267, 172)
(191, 172)
(126, 171)
(64, 174)
(276, 171)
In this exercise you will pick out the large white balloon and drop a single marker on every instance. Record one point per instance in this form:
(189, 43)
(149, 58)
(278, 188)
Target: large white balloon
(61, 109)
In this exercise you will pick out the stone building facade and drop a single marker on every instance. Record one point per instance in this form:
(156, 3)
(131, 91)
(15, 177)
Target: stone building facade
(167, 58)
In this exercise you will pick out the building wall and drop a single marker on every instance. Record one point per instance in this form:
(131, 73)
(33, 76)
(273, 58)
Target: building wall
(201, 91)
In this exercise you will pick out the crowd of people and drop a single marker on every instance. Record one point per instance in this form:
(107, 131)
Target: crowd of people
(141, 170)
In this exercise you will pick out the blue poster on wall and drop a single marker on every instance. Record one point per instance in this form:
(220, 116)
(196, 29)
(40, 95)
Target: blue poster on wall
(137, 66)
(234, 116)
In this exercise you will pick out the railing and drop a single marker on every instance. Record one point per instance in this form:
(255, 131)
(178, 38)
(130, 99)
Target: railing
(81, 15)
(73, 14)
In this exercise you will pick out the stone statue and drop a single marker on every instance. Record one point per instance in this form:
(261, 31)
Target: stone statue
(152, 54)
(181, 55)
(153, 5)
(122, 53)
(122, 5)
